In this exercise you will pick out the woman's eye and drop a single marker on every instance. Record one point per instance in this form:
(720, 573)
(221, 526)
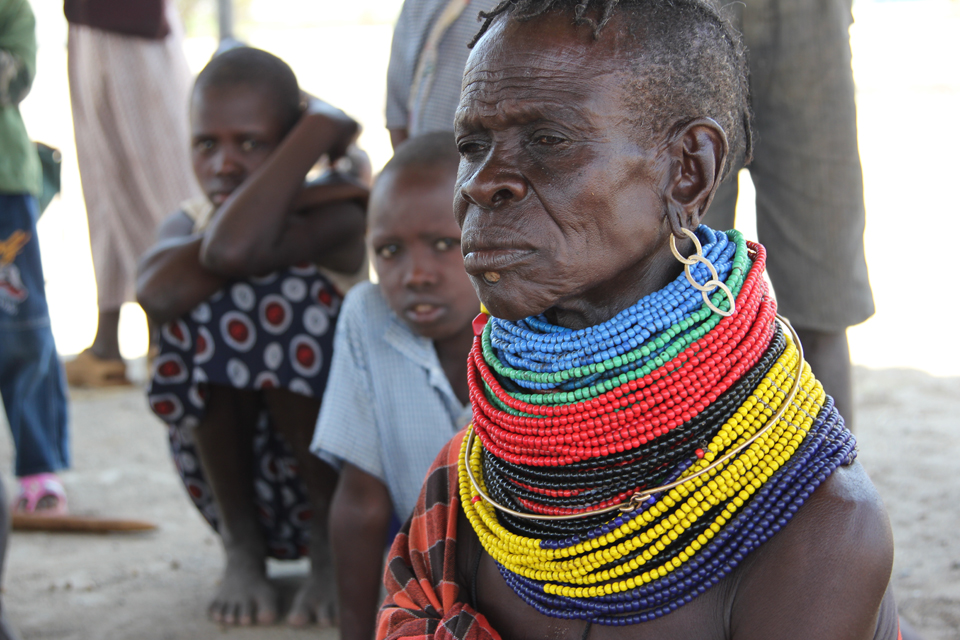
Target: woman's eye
(203, 145)
(469, 147)
(388, 251)
(547, 139)
(445, 244)
(250, 145)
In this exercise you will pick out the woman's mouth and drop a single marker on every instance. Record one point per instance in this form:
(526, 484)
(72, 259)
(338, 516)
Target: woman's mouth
(494, 261)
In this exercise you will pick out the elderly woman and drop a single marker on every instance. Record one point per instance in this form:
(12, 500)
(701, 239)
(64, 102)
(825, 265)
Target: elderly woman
(649, 449)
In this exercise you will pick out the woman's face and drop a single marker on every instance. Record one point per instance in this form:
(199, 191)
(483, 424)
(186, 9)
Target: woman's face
(558, 197)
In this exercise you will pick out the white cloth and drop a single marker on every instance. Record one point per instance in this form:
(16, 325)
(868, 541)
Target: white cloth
(129, 97)
(388, 407)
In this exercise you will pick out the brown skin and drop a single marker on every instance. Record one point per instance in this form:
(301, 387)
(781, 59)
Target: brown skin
(566, 201)
(106, 344)
(416, 247)
(265, 220)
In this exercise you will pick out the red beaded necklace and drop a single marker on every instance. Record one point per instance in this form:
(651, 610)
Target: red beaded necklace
(638, 411)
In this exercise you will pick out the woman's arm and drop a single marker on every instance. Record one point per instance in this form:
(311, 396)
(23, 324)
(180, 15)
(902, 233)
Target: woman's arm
(254, 232)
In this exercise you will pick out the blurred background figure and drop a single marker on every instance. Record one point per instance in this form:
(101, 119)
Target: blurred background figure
(427, 57)
(31, 378)
(129, 84)
(806, 171)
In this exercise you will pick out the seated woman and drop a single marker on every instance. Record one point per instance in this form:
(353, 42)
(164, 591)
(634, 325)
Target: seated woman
(650, 455)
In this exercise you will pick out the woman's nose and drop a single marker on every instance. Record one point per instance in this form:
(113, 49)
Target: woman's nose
(494, 184)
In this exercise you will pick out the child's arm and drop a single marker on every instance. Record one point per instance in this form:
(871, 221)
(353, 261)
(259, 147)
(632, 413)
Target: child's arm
(170, 278)
(359, 522)
(254, 231)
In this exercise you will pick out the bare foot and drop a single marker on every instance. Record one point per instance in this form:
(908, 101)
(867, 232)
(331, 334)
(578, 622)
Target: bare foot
(316, 601)
(245, 595)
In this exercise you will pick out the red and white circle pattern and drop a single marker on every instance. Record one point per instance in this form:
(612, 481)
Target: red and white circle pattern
(238, 331)
(176, 332)
(273, 356)
(275, 314)
(266, 380)
(243, 296)
(316, 320)
(167, 406)
(205, 346)
(169, 368)
(294, 289)
(305, 355)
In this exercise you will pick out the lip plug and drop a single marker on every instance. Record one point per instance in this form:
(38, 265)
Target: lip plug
(492, 277)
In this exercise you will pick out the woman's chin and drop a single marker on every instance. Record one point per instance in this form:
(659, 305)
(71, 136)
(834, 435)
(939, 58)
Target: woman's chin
(507, 302)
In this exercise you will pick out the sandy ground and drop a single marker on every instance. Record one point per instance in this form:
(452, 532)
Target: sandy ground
(155, 586)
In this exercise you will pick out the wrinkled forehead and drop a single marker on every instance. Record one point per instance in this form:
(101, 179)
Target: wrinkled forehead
(547, 60)
(552, 45)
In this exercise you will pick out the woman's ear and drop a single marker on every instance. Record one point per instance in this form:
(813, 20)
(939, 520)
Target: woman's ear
(697, 153)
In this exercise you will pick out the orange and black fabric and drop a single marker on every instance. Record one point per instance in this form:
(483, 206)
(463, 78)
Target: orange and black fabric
(424, 599)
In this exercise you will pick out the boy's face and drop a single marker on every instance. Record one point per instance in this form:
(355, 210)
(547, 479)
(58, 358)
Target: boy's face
(415, 242)
(233, 131)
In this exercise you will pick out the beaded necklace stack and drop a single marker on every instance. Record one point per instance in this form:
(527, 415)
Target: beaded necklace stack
(617, 472)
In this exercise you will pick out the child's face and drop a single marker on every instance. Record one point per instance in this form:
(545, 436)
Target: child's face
(234, 130)
(416, 247)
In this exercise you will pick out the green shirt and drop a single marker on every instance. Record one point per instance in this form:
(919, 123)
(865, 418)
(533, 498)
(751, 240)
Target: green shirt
(19, 164)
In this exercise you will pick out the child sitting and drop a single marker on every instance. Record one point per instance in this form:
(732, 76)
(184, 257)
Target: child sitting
(247, 324)
(398, 388)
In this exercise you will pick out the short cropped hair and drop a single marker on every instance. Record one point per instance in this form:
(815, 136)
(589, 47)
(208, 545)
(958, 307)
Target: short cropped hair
(258, 69)
(435, 150)
(691, 62)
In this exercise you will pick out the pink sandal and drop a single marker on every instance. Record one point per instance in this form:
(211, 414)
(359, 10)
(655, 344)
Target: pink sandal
(34, 489)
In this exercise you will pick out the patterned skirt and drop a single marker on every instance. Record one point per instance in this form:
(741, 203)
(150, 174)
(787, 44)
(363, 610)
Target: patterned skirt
(274, 331)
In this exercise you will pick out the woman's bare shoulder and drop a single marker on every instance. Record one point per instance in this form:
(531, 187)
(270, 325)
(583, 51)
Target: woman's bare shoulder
(826, 572)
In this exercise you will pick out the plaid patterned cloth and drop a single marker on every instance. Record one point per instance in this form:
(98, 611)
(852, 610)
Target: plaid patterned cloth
(422, 590)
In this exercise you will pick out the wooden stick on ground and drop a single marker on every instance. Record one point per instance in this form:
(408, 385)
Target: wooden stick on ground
(76, 524)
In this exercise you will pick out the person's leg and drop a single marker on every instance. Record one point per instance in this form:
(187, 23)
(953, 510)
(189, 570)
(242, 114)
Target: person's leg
(31, 379)
(829, 357)
(806, 169)
(295, 416)
(224, 443)
(106, 344)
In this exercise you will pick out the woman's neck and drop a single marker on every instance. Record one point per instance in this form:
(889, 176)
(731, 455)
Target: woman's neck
(621, 292)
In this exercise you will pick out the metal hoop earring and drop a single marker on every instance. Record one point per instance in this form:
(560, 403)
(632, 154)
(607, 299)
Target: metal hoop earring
(710, 285)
